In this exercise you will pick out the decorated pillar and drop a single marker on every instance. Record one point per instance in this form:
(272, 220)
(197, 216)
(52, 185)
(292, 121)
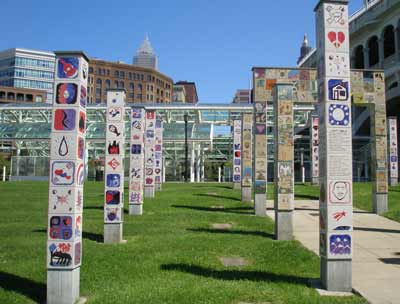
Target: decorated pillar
(136, 164)
(67, 166)
(158, 166)
(314, 145)
(114, 167)
(393, 153)
(149, 154)
(237, 154)
(284, 161)
(247, 162)
(260, 158)
(379, 146)
(336, 174)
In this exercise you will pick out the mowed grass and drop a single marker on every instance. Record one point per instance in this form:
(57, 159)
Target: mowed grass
(171, 255)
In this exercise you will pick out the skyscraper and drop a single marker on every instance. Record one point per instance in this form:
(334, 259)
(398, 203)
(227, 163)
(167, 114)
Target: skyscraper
(145, 56)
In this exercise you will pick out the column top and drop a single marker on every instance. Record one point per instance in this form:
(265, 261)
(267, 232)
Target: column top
(72, 53)
(331, 1)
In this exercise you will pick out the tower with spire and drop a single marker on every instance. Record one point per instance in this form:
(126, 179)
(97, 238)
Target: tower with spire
(145, 56)
(305, 48)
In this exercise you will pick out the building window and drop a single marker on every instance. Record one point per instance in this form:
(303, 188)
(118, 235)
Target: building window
(10, 96)
(132, 86)
(359, 57)
(2, 95)
(148, 78)
(388, 41)
(29, 97)
(116, 73)
(98, 82)
(98, 92)
(116, 84)
(139, 96)
(131, 95)
(20, 97)
(38, 98)
(91, 70)
(140, 87)
(373, 46)
(121, 85)
(122, 74)
(108, 83)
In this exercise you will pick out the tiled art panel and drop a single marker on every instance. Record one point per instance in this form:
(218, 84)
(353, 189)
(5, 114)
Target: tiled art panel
(158, 152)
(392, 147)
(237, 151)
(136, 170)
(284, 147)
(260, 144)
(314, 147)
(247, 139)
(114, 159)
(67, 156)
(149, 153)
(335, 140)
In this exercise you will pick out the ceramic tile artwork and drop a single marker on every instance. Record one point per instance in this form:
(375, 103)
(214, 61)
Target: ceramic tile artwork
(333, 143)
(114, 160)
(247, 142)
(158, 165)
(392, 148)
(260, 147)
(136, 169)
(149, 154)
(314, 147)
(67, 156)
(237, 151)
(284, 146)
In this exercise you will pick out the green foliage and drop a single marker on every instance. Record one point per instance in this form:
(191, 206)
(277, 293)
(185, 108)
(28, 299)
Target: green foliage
(171, 255)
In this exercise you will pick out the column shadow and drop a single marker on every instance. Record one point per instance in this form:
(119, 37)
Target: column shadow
(235, 275)
(393, 261)
(376, 230)
(34, 290)
(219, 196)
(306, 196)
(236, 210)
(237, 232)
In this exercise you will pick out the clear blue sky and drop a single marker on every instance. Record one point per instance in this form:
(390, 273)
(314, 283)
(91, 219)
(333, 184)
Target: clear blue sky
(214, 43)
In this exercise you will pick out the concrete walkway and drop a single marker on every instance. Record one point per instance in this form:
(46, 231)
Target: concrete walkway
(376, 254)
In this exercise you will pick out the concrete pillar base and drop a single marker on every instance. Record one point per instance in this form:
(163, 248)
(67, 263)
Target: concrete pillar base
(260, 204)
(63, 286)
(158, 187)
(246, 194)
(336, 275)
(380, 203)
(113, 233)
(136, 209)
(284, 225)
(393, 182)
(237, 186)
(149, 191)
(315, 181)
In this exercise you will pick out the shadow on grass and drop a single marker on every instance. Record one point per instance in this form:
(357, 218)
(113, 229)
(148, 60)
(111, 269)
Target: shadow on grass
(26, 287)
(94, 208)
(85, 234)
(306, 196)
(219, 196)
(236, 210)
(235, 275)
(376, 230)
(239, 232)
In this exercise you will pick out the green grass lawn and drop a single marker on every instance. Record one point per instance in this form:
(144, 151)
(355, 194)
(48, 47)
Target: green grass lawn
(172, 254)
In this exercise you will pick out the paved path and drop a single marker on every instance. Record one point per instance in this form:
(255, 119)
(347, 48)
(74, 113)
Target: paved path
(376, 255)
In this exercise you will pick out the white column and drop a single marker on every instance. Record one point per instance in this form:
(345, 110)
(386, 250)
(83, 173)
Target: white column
(67, 167)
(198, 163)
(393, 152)
(336, 206)
(136, 164)
(163, 170)
(149, 154)
(114, 167)
(4, 173)
(192, 157)
(219, 174)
